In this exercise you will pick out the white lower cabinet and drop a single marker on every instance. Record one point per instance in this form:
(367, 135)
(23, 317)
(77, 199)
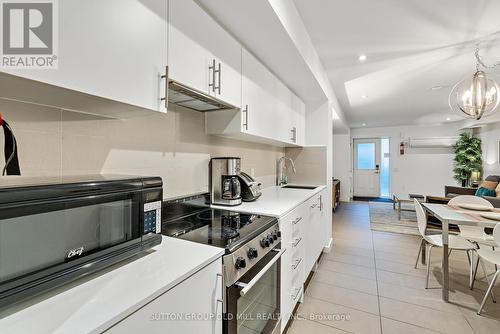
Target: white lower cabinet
(302, 234)
(292, 262)
(192, 307)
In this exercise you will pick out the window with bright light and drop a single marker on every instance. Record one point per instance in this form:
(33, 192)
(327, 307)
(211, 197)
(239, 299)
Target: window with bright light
(366, 156)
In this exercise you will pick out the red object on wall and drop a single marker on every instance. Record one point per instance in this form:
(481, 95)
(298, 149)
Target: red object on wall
(402, 148)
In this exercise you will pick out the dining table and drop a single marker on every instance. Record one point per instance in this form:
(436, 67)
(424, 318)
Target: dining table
(451, 214)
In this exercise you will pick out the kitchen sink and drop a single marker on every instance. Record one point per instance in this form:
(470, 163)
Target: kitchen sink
(291, 186)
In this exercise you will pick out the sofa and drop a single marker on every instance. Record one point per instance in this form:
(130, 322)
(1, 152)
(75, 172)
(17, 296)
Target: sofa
(452, 191)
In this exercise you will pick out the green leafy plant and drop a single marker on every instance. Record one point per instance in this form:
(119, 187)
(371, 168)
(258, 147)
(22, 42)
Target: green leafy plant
(468, 157)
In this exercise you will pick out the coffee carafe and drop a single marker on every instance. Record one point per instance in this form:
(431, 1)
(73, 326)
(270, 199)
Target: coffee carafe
(225, 187)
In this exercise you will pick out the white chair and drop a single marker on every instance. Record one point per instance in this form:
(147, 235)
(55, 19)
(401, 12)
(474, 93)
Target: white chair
(455, 242)
(492, 257)
(474, 233)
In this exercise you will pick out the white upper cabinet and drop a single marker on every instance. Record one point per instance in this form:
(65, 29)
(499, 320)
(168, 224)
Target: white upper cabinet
(258, 101)
(116, 50)
(201, 54)
(270, 112)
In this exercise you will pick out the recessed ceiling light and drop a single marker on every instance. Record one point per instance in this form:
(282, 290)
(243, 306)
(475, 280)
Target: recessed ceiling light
(364, 124)
(448, 118)
(436, 87)
(362, 57)
(364, 96)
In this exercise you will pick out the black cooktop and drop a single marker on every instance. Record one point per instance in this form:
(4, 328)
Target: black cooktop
(196, 221)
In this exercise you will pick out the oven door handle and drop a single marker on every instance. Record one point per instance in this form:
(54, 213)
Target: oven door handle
(247, 286)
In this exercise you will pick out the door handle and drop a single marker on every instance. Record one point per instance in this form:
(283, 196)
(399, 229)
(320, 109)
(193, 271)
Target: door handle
(212, 68)
(219, 75)
(245, 124)
(247, 286)
(223, 291)
(165, 76)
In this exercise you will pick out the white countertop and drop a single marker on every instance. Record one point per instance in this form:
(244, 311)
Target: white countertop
(96, 302)
(275, 201)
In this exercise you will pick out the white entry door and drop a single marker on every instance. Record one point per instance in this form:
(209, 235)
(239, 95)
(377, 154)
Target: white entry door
(367, 167)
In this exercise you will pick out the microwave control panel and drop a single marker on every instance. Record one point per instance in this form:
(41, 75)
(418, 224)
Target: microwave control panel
(152, 217)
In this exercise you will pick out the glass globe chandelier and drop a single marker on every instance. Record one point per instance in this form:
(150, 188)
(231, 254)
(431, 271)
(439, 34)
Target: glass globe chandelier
(476, 96)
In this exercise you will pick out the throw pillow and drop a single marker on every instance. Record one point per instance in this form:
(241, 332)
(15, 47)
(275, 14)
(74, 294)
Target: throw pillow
(485, 192)
(489, 185)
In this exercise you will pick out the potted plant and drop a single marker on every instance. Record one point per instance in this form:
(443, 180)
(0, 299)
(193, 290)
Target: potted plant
(468, 158)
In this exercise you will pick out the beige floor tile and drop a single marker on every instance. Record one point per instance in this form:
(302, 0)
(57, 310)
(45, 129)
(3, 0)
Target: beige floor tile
(484, 323)
(346, 281)
(367, 244)
(353, 259)
(334, 315)
(390, 326)
(409, 281)
(342, 296)
(302, 326)
(347, 268)
(352, 250)
(444, 322)
(401, 268)
(430, 298)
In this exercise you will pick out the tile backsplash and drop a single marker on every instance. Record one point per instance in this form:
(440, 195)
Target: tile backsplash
(173, 146)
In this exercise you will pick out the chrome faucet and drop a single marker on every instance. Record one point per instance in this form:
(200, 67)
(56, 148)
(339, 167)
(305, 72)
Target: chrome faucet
(282, 179)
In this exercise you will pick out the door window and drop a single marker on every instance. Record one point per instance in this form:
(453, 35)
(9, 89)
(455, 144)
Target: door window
(366, 156)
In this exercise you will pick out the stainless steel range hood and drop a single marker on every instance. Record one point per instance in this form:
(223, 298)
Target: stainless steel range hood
(191, 98)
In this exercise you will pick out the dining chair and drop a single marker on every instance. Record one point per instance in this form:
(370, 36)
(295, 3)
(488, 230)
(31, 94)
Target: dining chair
(455, 242)
(491, 256)
(474, 234)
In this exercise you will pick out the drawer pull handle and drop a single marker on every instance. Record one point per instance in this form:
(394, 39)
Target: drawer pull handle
(297, 241)
(297, 220)
(314, 205)
(297, 262)
(294, 297)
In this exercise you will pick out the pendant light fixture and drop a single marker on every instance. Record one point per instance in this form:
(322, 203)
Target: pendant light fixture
(476, 96)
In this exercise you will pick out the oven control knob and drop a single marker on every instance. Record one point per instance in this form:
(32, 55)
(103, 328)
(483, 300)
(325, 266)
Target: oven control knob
(275, 236)
(270, 238)
(264, 243)
(240, 263)
(278, 233)
(252, 253)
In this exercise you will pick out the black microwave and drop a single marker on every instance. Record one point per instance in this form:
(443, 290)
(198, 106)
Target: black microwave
(55, 230)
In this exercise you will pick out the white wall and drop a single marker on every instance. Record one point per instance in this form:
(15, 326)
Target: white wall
(490, 136)
(342, 164)
(173, 146)
(425, 171)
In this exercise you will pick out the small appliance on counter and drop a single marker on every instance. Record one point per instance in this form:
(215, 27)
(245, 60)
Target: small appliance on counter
(55, 230)
(252, 265)
(225, 187)
(250, 189)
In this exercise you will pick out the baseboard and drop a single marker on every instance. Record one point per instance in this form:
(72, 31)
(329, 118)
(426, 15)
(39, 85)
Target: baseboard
(328, 247)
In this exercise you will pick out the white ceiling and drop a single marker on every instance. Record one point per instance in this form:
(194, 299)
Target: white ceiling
(411, 46)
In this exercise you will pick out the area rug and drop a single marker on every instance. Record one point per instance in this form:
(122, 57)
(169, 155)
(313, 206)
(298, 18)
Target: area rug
(384, 218)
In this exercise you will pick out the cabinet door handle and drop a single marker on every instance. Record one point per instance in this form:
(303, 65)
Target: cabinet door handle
(165, 98)
(294, 296)
(320, 202)
(297, 220)
(296, 242)
(294, 134)
(297, 262)
(219, 71)
(223, 291)
(314, 205)
(212, 68)
(245, 124)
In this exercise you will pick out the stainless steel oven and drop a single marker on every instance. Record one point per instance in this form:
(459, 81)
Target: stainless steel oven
(252, 277)
(56, 230)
